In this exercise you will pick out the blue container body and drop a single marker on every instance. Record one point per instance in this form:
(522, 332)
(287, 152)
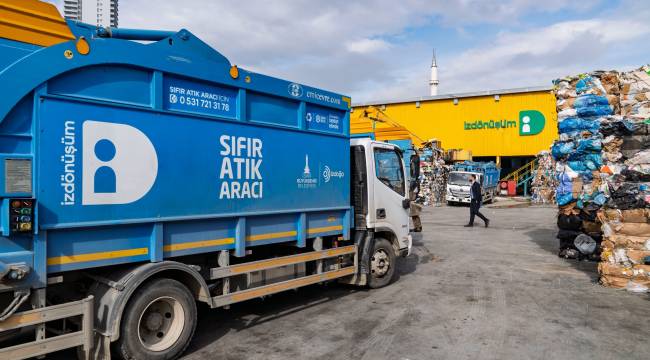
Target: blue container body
(145, 152)
(491, 173)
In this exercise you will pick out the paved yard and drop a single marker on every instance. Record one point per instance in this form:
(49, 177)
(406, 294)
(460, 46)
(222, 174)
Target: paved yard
(497, 293)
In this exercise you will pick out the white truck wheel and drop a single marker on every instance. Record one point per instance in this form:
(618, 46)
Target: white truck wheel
(382, 264)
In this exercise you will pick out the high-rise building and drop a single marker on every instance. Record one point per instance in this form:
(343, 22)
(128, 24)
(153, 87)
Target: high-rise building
(97, 12)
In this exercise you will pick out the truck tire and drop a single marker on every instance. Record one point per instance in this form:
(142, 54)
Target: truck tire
(158, 322)
(382, 264)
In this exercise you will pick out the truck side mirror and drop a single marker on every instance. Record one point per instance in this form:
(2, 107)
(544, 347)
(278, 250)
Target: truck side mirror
(406, 203)
(415, 166)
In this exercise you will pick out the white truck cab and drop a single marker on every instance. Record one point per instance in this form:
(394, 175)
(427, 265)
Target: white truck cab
(381, 208)
(458, 186)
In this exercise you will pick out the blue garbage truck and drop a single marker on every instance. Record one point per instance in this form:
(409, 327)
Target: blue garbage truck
(458, 185)
(141, 172)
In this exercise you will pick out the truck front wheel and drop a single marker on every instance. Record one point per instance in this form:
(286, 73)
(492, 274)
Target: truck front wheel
(382, 264)
(158, 322)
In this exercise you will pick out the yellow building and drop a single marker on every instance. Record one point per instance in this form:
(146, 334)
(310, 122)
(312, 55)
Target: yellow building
(507, 126)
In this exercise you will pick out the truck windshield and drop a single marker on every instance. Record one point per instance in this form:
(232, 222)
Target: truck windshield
(388, 167)
(456, 178)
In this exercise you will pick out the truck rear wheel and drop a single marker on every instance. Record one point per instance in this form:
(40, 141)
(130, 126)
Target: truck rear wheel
(382, 264)
(158, 322)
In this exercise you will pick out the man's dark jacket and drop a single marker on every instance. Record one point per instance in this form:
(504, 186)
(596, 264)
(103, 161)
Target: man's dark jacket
(477, 197)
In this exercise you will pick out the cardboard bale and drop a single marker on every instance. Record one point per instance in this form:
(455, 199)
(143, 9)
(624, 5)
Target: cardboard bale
(626, 257)
(637, 272)
(628, 242)
(627, 216)
(632, 229)
(637, 256)
(622, 282)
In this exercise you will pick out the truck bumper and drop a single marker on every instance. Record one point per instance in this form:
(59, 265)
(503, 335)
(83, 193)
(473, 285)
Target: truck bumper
(407, 250)
(451, 198)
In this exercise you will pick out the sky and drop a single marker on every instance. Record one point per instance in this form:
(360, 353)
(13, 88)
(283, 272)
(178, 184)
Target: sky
(377, 50)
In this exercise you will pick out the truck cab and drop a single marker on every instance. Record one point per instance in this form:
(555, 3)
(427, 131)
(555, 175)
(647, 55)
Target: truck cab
(386, 189)
(458, 185)
(380, 201)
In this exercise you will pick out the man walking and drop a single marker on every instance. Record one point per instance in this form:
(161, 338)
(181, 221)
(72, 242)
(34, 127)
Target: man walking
(476, 199)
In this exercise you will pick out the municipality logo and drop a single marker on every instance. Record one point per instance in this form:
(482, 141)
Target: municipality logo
(328, 174)
(295, 90)
(531, 122)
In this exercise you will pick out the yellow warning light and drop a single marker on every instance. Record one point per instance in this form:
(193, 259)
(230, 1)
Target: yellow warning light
(68, 54)
(234, 72)
(83, 47)
(247, 79)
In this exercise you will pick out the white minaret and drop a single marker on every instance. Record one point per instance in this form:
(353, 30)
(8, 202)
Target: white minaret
(433, 82)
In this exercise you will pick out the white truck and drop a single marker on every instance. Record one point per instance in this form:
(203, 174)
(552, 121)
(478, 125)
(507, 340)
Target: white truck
(458, 185)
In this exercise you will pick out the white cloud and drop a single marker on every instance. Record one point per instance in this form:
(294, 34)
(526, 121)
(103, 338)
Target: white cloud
(537, 56)
(365, 46)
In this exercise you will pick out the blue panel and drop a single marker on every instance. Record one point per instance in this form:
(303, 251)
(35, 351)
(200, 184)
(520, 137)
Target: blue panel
(168, 166)
(272, 110)
(15, 131)
(324, 119)
(113, 83)
(325, 220)
(197, 236)
(199, 98)
(10, 51)
(85, 241)
(271, 229)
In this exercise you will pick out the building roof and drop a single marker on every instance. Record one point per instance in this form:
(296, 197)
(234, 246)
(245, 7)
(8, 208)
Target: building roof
(458, 95)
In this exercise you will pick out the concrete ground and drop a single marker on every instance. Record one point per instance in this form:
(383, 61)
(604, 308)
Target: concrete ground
(497, 293)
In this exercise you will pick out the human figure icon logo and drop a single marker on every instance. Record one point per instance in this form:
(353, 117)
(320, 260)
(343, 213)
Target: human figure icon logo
(526, 126)
(531, 122)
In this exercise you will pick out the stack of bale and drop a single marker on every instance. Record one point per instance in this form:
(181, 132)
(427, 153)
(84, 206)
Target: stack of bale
(583, 103)
(603, 170)
(544, 182)
(625, 259)
(635, 94)
(433, 175)
(425, 196)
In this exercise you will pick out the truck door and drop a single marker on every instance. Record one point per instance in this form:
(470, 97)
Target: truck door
(359, 185)
(390, 196)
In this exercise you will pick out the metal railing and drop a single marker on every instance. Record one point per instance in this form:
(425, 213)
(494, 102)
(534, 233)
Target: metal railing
(83, 337)
(523, 175)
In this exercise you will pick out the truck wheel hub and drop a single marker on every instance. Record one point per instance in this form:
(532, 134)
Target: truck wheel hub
(161, 324)
(379, 263)
(154, 321)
